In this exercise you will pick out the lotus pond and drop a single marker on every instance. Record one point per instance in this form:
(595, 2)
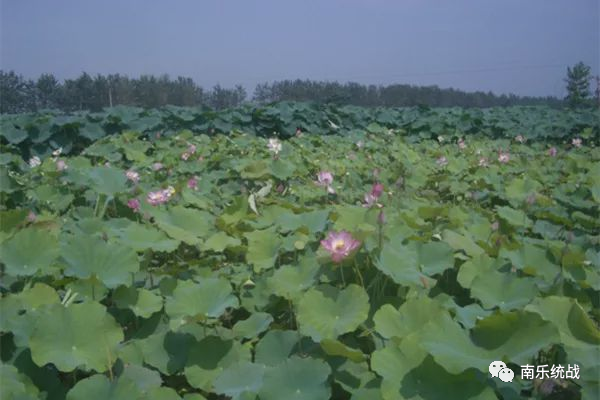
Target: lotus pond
(370, 265)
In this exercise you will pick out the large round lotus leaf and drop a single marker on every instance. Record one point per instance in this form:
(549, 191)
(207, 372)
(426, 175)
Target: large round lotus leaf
(464, 386)
(275, 347)
(337, 348)
(210, 357)
(576, 328)
(79, 335)
(208, 298)
(99, 387)
(240, 378)
(296, 378)
(19, 312)
(252, 326)
(411, 317)
(162, 393)
(167, 351)
(142, 302)
(29, 251)
(16, 385)
(141, 238)
(107, 180)
(321, 317)
(393, 361)
(290, 281)
(263, 247)
(453, 350)
(185, 224)
(515, 336)
(514, 217)
(145, 379)
(220, 241)
(88, 256)
(462, 242)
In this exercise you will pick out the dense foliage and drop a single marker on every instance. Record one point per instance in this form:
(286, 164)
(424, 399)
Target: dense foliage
(87, 92)
(393, 261)
(39, 133)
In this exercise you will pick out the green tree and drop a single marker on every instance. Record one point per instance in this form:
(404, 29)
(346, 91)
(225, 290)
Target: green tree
(578, 85)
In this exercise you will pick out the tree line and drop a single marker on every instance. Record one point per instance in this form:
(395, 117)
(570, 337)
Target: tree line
(86, 92)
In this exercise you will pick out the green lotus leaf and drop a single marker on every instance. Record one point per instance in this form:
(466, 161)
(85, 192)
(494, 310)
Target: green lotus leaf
(210, 357)
(19, 312)
(296, 378)
(576, 328)
(208, 298)
(163, 393)
(275, 347)
(79, 335)
(409, 264)
(141, 238)
(394, 361)
(99, 387)
(449, 386)
(453, 350)
(166, 351)
(142, 302)
(321, 317)
(185, 224)
(411, 317)
(144, 379)
(337, 348)
(515, 336)
(239, 379)
(30, 250)
(88, 256)
(514, 217)
(16, 385)
(107, 180)
(220, 241)
(263, 248)
(532, 260)
(290, 281)
(252, 326)
(462, 242)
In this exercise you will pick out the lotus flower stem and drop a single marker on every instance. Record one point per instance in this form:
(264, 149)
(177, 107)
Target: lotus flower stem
(360, 277)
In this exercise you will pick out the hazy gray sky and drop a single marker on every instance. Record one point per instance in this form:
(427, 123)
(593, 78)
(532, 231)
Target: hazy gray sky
(508, 46)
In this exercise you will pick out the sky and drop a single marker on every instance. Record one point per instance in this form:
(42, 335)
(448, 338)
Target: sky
(509, 46)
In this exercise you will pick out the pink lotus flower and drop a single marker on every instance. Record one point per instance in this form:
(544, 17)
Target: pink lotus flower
(503, 157)
(132, 176)
(61, 165)
(192, 183)
(31, 217)
(201, 158)
(520, 139)
(185, 156)
(325, 179)
(576, 142)
(340, 245)
(191, 149)
(461, 144)
(377, 190)
(360, 144)
(552, 151)
(157, 166)
(134, 204)
(483, 162)
(298, 132)
(161, 196)
(442, 161)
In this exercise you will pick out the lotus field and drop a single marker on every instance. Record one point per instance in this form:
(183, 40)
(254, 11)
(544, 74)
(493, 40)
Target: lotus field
(297, 252)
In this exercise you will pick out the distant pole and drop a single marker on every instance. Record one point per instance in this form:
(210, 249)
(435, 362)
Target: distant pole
(110, 97)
